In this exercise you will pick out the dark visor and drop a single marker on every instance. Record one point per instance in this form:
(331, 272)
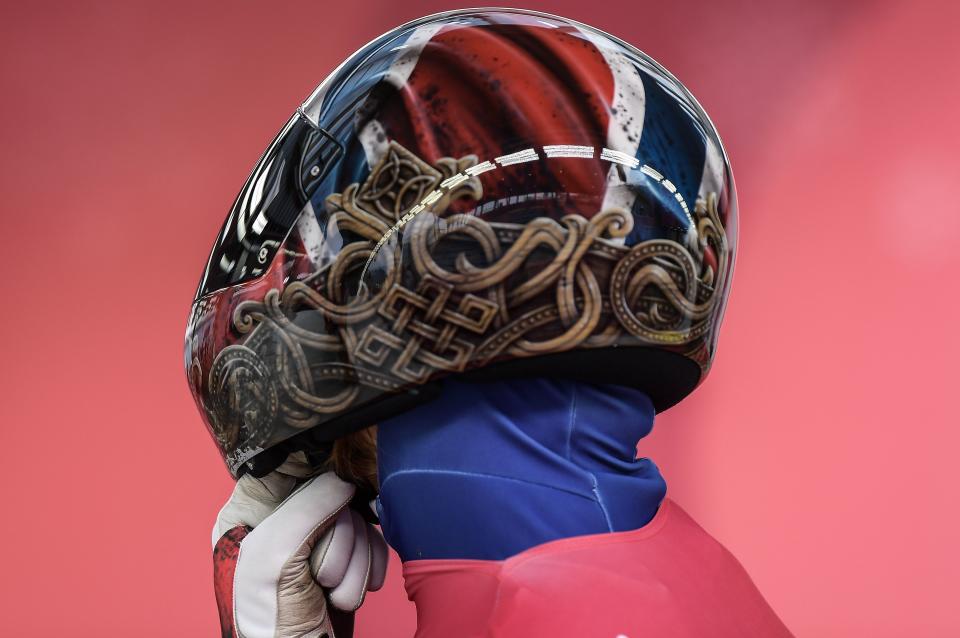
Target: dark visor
(269, 204)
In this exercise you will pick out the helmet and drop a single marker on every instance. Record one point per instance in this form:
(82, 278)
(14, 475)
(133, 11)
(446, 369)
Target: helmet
(487, 193)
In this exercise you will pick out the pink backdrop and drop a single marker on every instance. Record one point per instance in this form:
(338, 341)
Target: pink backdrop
(821, 451)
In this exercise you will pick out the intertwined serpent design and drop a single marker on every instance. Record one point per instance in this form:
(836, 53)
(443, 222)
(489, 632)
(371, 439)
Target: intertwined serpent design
(330, 341)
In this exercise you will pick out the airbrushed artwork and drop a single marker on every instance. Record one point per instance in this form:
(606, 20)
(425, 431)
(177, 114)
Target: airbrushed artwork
(465, 192)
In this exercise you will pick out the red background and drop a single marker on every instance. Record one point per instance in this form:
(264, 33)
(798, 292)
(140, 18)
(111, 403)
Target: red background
(821, 451)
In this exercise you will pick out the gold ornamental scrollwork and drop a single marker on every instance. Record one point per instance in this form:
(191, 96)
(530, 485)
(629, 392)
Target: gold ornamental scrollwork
(436, 311)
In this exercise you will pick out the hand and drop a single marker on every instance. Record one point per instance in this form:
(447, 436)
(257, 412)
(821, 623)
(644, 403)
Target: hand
(276, 548)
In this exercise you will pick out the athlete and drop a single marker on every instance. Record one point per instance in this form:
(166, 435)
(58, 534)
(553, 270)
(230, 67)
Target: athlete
(451, 298)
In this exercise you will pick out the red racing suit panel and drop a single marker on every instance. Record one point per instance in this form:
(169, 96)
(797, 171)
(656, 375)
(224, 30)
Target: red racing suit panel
(669, 579)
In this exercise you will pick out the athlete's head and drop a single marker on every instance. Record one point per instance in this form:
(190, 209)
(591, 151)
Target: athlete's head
(483, 193)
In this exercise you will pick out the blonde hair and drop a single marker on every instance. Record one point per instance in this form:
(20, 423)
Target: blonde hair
(354, 458)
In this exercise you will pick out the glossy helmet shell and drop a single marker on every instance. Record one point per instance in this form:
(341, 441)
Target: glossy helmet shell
(486, 193)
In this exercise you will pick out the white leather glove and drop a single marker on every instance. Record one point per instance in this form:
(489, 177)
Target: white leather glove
(270, 579)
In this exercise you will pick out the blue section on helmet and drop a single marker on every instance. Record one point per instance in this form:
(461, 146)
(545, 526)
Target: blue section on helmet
(673, 143)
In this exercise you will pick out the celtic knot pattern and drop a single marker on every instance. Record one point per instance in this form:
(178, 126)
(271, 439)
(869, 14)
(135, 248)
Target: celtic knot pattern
(394, 186)
(462, 293)
(399, 182)
(423, 316)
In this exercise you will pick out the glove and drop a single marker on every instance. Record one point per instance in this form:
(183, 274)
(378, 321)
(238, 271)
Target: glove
(277, 546)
